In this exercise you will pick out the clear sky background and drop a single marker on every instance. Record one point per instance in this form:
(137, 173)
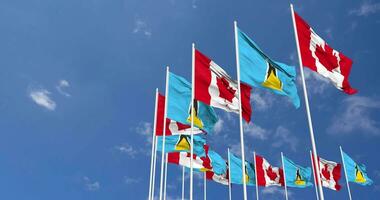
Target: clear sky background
(77, 86)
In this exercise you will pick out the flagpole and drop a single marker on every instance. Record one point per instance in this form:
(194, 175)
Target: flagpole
(192, 114)
(154, 167)
(166, 174)
(257, 185)
(315, 181)
(307, 107)
(153, 147)
(240, 111)
(283, 169)
(345, 173)
(229, 175)
(204, 186)
(183, 182)
(164, 132)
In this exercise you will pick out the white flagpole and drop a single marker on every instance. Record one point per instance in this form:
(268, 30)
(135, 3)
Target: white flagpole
(166, 174)
(240, 111)
(192, 114)
(257, 185)
(345, 173)
(153, 147)
(283, 169)
(154, 167)
(204, 186)
(315, 181)
(164, 132)
(229, 175)
(183, 182)
(307, 106)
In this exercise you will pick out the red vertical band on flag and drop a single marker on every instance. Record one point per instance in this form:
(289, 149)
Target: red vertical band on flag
(320, 57)
(260, 171)
(174, 157)
(160, 115)
(202, 77)
(246, 101)
(336, 174)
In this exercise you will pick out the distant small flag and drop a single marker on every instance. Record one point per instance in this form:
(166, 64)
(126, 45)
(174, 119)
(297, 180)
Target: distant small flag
(258, 70)
(235, 169)
(320, 57)
(355, 173)
(181, 143)
(330, 173)
(184, 158)
(296, 175)
(179, 105)
(267, 175)
(172, 127)
(214, 87)
(219, 178)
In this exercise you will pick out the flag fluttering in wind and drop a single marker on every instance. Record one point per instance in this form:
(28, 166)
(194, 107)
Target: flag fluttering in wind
(179, 105)
(183, 158)
(296, 175)
(320, 57)
(355, 173)
(236, 171)
(267, 175)
(172, 127)
(222, 178)
(214, 87)
(258, 70)
(181, 143)
(330, 173)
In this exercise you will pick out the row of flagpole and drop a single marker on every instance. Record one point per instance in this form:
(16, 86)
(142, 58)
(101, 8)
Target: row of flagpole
(163, 175)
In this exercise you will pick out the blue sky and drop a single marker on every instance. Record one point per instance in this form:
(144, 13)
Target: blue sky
(78, 78)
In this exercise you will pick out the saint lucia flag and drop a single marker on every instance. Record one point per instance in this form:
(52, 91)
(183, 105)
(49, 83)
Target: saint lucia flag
(296, 176)
(236, 173)
(258, 70)
(179, 103)
(355, 173)
(182, 143)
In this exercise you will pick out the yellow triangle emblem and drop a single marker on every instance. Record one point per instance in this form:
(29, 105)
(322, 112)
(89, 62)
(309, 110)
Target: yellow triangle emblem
(246, 175)
(183, 144)
(194, 114)
(359, 178)
(271, 80)
(299, 180)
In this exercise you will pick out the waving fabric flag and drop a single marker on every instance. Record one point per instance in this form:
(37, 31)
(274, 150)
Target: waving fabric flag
(355, 173)
(181, 143)
(222, 178)
(320, 57)
(178, 108)
(330, 174)
(183, 158)
(214, 87)
(267, 175)
(295, 175)
(258, 70)
(236, 173)
(172, 127)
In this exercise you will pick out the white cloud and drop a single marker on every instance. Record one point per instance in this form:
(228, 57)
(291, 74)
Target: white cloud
(91, 185)
(218, 127)
(145, 129)
(275, 191)
(255, 131)
(356, 116)
(315, 83)
(261, 101)
(194, 4)
(366, 8)
(142, 27)
(62, 84)
(41, 97)
(130, 180)
(283, 137)
(127, 149)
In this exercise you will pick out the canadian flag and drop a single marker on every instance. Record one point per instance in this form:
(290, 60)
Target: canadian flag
(184, 158)
(172, 127)
(330, 173)
(214, 87)
(267, 175)
(222, 179)
(320, 57)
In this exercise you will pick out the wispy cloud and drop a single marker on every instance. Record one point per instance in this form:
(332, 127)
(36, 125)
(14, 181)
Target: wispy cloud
(261, 100)
(355, 115)
(127, 149)
(130, 180)
(218, 127)
(41, 97)
(91, 185)
(366, 8)
(316, 84)
(142, 28)
(145, 129)
(62, 85)
(271, 191)
(256, 131)
(283, 136)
